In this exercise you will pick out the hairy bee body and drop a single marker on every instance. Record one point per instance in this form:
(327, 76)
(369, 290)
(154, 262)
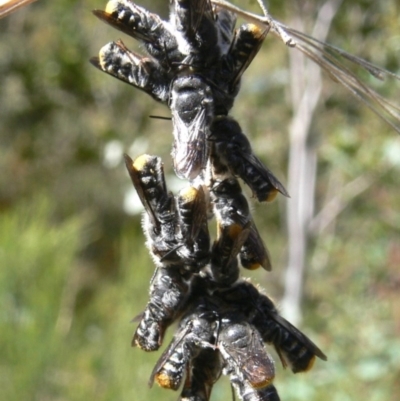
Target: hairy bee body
(204, 370)
(168, 293)
(160, 220)
(235, 155)
(247, 392)
(142, 72)
(212, 339)
(224, 263)
(192, 113)
(231, 209)
(197, 331)
(193, 236)
(293, 347)
(244, 354)
(176, 228)
(178, 239)
(158, 37)
(233, 226)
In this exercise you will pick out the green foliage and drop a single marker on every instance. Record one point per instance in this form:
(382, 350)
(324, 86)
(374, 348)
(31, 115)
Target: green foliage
(73, 266)
(36, 256)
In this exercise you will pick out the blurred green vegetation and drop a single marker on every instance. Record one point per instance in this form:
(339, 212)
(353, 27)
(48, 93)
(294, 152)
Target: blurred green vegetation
(73, 266)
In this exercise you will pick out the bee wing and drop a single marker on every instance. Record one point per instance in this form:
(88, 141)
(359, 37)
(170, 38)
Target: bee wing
(253, 362)
(198, 209)
(259, 368)
(238, 238)
(118, 24)
(189, 15)
(189, 156)
(266, 173)
(298, 334)
(257, 35)
(168, 352)
(192, 110)
(133, 173)
(254, 253)
(190, 146)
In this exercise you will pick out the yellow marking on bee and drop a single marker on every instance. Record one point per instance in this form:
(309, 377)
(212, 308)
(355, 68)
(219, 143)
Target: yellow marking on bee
(111, 6)
(141, 162)
(263, 383)
(256, 31)
(103, 52)
(311, 364)
(189, 194)
(253, 266)
(235, 230)
(272, 195)
(165, 381)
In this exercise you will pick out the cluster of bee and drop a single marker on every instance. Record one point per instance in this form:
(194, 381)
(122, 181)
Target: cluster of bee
(194, 65)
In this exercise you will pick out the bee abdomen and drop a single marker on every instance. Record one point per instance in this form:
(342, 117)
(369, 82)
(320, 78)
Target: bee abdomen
(171, 374)
(149, 333)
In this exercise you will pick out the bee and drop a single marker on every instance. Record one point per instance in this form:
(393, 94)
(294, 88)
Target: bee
(193, 235)
(232, 152)
(169, 291)
(236, 53)
(192, 113)
(142, 72)
(178, 239)
(160, 219)
(224, 263)
(247, 42)
(157, 36)
(243, 352)
(176, 228)
(293, 347)
(231, 208)
(197, 331)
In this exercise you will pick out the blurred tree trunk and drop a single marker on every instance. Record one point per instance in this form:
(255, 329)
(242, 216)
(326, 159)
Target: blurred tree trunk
(305, 93)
